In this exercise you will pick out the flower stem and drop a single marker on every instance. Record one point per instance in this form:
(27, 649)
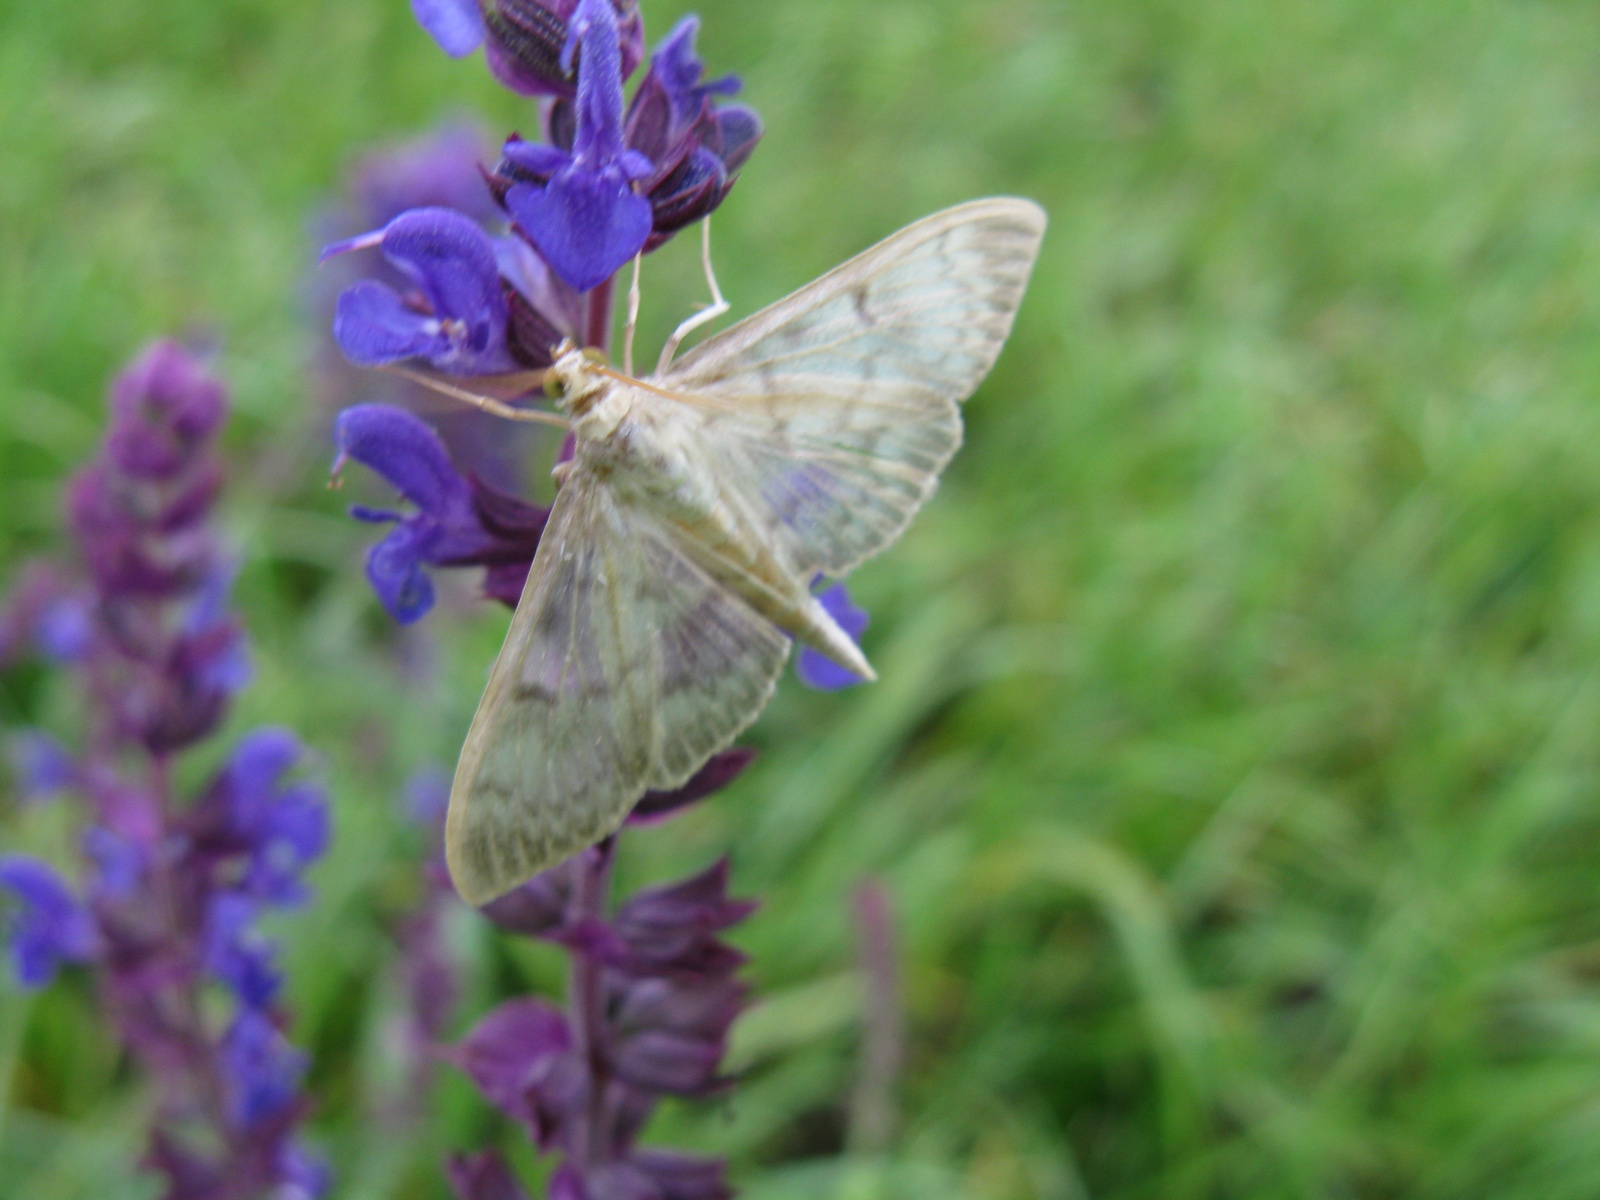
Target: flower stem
(597, 323)
(591, 886)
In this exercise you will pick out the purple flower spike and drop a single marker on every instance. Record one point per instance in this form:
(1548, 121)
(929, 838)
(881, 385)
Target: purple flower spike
(444, 530)
(457, 25)
(819, 671)
(49, 925)
(580, 209)
(457, 324)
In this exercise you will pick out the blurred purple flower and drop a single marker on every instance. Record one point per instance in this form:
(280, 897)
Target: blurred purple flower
(48, 925)
(816, 669)
(439, 170)
(40, 764)
(238, 955)
(261, 1069)
(456, 322)
(65, 628)
(173, 888)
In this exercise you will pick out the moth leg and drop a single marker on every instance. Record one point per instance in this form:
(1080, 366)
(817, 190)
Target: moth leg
(632, 326)
(711, 312)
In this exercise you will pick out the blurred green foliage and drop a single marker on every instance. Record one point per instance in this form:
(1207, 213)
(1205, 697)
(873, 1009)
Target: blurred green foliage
(1235, 763)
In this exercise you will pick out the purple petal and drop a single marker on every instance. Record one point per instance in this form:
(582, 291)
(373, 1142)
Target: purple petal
(598, 140)
(533, 161)
(483, 1176)
(720, 770)
(64, 629)
(534, 908)
(504, 582)
(663, 922)
(426, 796)
(453, 261)
(703, 1009)
(659, 1061)
(406, 451)
(374, 327)
(237, 955)
(587, 226)
(49, 925)
(679, 68)
(740, 129)
(306, 1175)
(504, 1052)
(438, 170)
(119, 861)
(294, 834)
(816, 669)
(261, 1069)
(456, 25)
(566, 1184)
(164, 409)
(680, 1177)
(617, 1181)
(40, 765)
(261, 759)
(394, 569)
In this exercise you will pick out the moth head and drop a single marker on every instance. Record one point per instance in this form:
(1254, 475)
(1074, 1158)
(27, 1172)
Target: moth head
(574, 381)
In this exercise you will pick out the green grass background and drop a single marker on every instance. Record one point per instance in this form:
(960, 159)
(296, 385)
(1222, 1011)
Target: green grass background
(1236, 764)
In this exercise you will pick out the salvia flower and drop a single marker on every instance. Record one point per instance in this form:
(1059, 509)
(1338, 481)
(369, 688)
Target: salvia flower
(167, 912)
(455, 320)
(577, 204)
(677, 148)
(457, 522)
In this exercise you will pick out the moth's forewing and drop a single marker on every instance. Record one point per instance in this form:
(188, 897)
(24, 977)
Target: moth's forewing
(832, 412)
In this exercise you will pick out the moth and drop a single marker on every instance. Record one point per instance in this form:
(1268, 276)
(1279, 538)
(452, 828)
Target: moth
(700, 504)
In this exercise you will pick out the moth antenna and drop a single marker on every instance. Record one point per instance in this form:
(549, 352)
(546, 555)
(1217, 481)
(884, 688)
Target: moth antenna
(487, 403)
(682, 398)
(633, 317)
(711, 312)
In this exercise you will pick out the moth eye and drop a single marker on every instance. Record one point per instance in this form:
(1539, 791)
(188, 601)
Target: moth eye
(554, 386)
